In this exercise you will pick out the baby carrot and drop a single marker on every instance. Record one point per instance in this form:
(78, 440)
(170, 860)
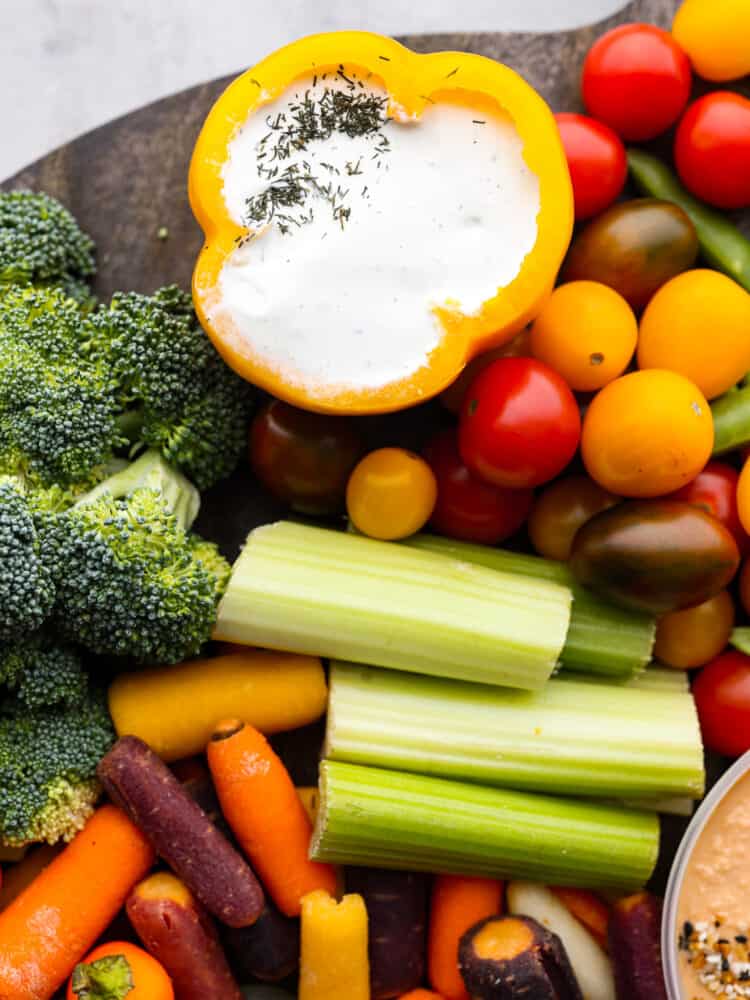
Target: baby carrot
(588, 910)
(119, 969)
(261, 805)
(46, 930)
(421, 995)
(23, 873)
(457, 903)
(333, 954)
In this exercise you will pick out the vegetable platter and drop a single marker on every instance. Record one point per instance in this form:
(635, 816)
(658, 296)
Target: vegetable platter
(432, 760)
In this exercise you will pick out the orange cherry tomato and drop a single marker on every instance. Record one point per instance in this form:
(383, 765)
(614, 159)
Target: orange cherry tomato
(560, 510)
(693, 636)
(698, 324)
(743, 496)
(587, 332)
(647, 434)
(150, 981)
(453, 396)
(391, 494)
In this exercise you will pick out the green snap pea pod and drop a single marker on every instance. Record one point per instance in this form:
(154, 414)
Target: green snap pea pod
(723, 245)
(731, 413)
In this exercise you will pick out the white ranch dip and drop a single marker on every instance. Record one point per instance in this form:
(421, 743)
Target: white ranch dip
(337, 285)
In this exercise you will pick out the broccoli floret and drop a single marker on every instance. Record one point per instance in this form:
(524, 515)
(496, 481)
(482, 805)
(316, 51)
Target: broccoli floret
(130, 581)
(189, 404)
(26, 589)
(41, 673)
(58, 396)
(41, 241)
(48, 759)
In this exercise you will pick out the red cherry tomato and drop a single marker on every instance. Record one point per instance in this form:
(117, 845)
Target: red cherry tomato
(712, 149)
(596, 160)
(715, 489)
(520, 424)
(466, 507)
(722, 696)
(636, 79)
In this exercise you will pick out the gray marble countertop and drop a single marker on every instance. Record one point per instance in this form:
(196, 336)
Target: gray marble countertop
(67, 66)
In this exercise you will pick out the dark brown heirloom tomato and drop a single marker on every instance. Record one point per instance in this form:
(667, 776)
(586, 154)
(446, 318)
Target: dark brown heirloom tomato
(654, 555)
(634, 247)
(303, 458)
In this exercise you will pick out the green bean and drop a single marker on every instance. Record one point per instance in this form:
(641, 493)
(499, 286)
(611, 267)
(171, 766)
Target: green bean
(723, 245)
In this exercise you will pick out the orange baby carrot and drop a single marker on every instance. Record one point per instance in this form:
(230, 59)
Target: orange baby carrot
(261, 805)
(149, 979)
(56, 919)
(588, 910)
(457, 903)
(421, 995)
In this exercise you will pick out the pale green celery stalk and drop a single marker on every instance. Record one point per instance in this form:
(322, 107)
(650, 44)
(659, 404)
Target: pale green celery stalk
(571, 738)
(390, 819)
(602, 638)
(328, 593)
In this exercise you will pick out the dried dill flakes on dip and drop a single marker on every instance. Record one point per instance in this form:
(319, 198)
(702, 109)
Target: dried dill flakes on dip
(374, 218)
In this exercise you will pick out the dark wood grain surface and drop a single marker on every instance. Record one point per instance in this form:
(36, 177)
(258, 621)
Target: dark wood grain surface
(127, 180)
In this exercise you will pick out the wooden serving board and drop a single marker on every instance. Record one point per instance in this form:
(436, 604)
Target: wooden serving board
(127, 179)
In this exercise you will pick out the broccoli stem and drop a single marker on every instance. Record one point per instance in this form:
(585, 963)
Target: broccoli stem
(152, 471)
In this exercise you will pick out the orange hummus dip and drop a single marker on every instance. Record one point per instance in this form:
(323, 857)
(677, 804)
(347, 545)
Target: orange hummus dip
(713, 914)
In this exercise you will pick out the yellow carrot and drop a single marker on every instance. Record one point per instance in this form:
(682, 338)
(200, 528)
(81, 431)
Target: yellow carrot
(174, 709)
(334, 962)
(308, 796)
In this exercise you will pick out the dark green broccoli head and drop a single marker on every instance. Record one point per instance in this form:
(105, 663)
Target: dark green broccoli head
(40, 240)
(41, 672)
(48, 759)
(130, 581)
(26, 589)
(58, 396)
(192, 407)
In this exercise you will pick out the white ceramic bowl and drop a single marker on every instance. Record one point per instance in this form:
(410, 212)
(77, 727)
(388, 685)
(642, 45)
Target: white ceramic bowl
(669, 929)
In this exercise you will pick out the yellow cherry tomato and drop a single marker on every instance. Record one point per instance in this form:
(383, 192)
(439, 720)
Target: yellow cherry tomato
(647, 434)
(560, 510)
(391, 494)
(698, 324)
(694, 636)
(587, 332)
(716, 36)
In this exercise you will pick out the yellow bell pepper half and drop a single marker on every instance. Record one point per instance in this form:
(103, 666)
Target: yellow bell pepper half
(412, 81)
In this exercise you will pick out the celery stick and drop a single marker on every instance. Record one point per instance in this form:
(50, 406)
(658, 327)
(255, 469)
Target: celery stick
(389, 819)
(328, 593)
(572, 738)
(602, 638)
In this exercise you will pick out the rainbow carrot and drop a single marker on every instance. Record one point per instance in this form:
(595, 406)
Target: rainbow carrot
(46, 930)
(333, 960)
(458, 902)
(264, 811)
(588, 909)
